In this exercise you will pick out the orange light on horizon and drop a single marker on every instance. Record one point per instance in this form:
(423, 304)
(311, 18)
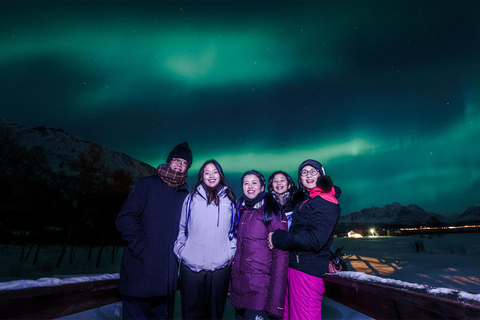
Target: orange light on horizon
(441, 228)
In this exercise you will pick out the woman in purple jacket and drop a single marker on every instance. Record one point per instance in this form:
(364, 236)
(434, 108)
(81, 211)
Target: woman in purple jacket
(259, 275)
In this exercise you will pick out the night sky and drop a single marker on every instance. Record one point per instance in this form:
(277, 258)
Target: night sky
(386, 95)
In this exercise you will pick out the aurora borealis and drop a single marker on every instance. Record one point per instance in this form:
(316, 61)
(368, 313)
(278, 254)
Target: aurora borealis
(385, 94)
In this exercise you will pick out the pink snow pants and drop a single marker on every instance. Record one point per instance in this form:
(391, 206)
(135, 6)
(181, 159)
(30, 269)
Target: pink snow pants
(304, 296)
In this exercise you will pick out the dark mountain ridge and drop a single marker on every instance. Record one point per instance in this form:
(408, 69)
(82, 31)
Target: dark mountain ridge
(56, 187)
(63, 149)
(395, 215)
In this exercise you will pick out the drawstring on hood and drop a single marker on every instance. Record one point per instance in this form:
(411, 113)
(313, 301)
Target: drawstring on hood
(221, 191)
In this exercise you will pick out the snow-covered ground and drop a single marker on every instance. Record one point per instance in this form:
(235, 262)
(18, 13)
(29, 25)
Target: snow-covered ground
(12, 268)
(450, 261)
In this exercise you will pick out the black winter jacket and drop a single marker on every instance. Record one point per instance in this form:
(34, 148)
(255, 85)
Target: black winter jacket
(311, 234)
(149, 222)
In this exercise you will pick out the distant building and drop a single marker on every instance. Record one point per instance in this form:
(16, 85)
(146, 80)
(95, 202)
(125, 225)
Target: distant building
(353, 234)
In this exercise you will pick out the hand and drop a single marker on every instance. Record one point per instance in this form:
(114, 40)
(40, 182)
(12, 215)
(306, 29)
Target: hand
(269, 241)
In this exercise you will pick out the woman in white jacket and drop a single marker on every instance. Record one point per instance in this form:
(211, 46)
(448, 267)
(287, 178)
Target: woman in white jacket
(204, 245)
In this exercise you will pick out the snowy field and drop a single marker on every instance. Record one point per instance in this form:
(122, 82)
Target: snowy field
(450, 261)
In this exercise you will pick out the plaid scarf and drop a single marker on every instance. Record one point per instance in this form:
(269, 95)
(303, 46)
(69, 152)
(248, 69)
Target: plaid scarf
(281, 198)
(171, 177)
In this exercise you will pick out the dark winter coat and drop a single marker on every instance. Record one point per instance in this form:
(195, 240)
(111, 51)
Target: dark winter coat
(311, 234)
(149, 221)
(259, 274)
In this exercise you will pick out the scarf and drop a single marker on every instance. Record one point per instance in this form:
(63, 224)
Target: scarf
(327, 195)
(281, 198)
(250, 203)
(171, 177)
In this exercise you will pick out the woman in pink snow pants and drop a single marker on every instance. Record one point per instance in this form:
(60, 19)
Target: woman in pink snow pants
(309, 240)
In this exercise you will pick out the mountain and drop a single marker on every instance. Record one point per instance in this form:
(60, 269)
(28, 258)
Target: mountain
(392, 215)
(59, 188)
(63, 149)
(471, 214)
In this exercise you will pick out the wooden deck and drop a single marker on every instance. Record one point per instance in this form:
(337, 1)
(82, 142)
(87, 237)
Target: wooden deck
(377, 300)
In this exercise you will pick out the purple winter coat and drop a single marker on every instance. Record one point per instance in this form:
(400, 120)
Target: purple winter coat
(259, 275)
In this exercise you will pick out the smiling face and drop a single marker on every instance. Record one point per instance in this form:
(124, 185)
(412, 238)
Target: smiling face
(252, 186)
(280, 184)
(211, 176)
(179, 164)
(309, 176)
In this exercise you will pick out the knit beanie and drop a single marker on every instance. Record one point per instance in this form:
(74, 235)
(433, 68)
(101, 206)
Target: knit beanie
(181, 151)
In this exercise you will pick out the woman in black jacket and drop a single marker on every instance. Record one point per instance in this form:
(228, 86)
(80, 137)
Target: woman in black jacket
(309, 240)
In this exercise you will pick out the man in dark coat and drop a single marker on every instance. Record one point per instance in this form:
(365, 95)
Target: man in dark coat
(149, 222)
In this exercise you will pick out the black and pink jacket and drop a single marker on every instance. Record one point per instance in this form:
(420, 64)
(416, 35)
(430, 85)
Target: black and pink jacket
(311, 233)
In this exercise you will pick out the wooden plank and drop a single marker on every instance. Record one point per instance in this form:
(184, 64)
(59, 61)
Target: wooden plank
(379, 301)
(57, 301)
(382, 301)
(78, 286)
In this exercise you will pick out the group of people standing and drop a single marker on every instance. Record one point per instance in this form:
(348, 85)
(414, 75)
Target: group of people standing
(268, 250)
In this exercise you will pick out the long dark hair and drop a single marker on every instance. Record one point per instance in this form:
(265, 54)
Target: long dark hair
(212, 193)
(293, 186)
(271, 207)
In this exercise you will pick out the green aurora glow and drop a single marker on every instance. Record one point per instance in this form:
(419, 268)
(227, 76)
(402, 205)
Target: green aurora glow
(384, 94)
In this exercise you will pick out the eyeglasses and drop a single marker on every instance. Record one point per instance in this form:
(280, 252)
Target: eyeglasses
(183, 163)
(312, 172)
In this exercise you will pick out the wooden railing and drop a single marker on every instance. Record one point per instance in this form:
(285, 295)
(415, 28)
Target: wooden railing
(377, 300)
(57, 301)
(390, 301)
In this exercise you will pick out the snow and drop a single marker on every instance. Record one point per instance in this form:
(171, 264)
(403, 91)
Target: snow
(467, 295)
(51, 282)
(387, 260)
(360, 276)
